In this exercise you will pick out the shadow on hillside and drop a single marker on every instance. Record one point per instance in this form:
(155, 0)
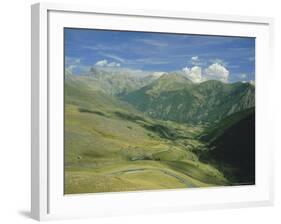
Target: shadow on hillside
(83, 110)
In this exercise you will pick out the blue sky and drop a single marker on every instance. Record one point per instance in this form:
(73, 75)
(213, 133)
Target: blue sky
(210, 57)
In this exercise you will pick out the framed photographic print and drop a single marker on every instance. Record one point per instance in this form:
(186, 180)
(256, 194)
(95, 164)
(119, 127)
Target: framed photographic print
(147, 111)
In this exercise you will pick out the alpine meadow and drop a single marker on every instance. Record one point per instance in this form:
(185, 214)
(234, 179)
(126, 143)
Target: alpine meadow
(155, 111)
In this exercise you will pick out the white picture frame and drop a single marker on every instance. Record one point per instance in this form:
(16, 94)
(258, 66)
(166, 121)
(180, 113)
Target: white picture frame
(47, 198)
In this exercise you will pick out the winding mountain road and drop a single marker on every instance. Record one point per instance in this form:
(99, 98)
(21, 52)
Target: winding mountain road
(179, 178)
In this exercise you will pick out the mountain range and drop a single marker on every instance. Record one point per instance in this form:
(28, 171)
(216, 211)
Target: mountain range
(172, 96)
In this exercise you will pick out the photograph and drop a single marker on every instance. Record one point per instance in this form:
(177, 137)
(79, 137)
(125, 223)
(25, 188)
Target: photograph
(157, 111)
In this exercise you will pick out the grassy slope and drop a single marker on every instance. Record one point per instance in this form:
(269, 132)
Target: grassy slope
(109, 146)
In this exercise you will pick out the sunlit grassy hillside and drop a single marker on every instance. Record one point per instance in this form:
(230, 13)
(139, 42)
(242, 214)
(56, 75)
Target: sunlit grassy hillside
(110, 146)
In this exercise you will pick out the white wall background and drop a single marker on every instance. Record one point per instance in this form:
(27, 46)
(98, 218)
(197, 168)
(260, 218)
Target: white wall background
(15, 110)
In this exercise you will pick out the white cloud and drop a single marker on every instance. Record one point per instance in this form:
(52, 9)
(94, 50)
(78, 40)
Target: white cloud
(105, 63)
(216, 71)
(195, 60)
(243, 76)
(219, 61)
(194, 73)
(72, 63)
(113, 64)
(101, 63)
(115, 57)
(158, 74)
(252, 82)
(70, 68)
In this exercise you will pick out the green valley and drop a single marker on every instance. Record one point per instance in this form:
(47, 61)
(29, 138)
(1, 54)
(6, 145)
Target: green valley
(154, 135)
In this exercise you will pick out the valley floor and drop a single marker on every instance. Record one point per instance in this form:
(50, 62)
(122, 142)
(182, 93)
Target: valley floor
(107, 151)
